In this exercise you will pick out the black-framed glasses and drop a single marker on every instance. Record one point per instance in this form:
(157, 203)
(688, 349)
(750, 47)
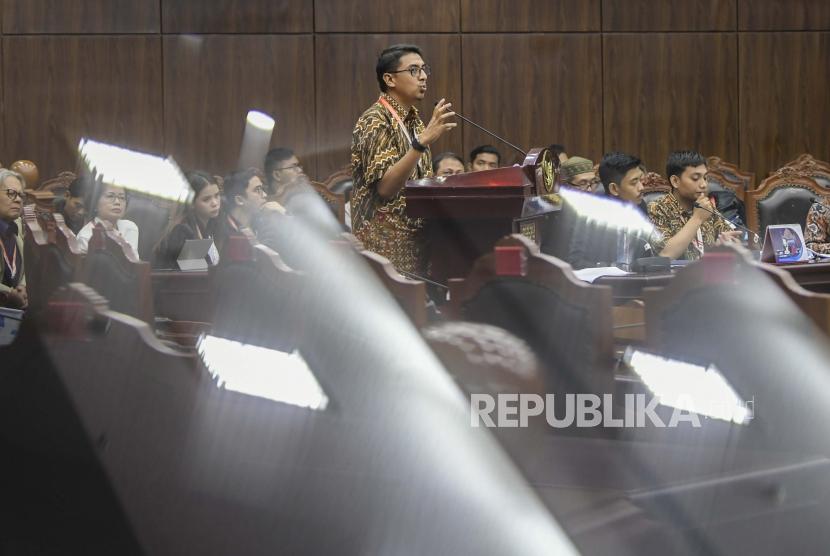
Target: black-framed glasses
(297, 166)
(415, 71)
(14, 195)
(112, 197)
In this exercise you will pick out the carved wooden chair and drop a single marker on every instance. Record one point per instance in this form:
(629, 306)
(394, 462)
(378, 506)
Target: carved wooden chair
(567, 322)
(655, 186)
(410, 294)
(730, 174)
(781, 199)
(335, 201)
(806, 166)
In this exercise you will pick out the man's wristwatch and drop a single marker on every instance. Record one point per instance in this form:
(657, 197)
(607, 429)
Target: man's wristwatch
(418, 146)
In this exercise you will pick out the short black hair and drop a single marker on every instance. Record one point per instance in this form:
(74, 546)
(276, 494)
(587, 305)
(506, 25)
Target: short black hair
(436, 161)
(79, 187)
(390, 58)
(237, 182)
(557, 149)
(274, 157)
(680, 160)
(488, 149)
(614, 166)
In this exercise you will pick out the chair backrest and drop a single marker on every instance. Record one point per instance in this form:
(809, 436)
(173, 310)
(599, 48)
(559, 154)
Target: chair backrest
(731, 173)
(567, 322)
(58, 184)
(410, 294)
(111, 268)
(807, 167)
(655, 187)
(259, 300)
(335, 201)
(486, 359)
(152, 216)
(340, 181)
(718, 181)
(780, 199)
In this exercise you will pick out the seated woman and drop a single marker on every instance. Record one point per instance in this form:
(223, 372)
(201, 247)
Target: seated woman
(109, 204)
(200, 220)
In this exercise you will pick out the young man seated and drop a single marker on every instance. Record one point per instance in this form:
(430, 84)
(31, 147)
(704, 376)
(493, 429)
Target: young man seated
(283, 172)
(595, 242)
(686, 217)
(484, 157)
(12, 278)
(73, 206)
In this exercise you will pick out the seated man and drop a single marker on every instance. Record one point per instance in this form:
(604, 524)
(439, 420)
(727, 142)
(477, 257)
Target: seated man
(282, 171)
(12, 277)
(578, 172)
(245, 198)
(73, 206)
(595, 242)
(447, 164)
(484, 157)
(685, 216)
(817, 228)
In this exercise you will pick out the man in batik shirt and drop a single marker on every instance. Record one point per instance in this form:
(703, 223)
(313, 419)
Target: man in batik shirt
(817, 230)
(390, 145)
(685, 217)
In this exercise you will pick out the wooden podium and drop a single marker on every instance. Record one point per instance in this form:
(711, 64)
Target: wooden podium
(466, 214)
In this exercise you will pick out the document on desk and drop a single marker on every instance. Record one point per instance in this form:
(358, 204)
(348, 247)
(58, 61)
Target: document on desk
(591, 274)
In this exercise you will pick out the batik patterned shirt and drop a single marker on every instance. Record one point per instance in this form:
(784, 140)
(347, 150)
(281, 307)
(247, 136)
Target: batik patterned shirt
(817, 228)
(669, 218)
(378, 142)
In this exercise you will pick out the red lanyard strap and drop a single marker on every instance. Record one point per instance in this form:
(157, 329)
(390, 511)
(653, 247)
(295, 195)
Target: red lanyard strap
(13, 263)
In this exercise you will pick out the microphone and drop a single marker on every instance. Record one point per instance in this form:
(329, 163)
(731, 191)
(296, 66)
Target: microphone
(731, 225)
(488, 132)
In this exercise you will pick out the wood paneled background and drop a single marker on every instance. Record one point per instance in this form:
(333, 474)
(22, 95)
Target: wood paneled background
(744, 79)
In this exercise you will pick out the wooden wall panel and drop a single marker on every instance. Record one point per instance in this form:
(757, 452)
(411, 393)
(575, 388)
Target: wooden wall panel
(783, 15)
(106, 88)
(237, 16)
(785, 108)
(385, 16)
(664, 92)
(515, 16)
(534, 90)
(210, 83)
(669, 15)
(80, 16)
(347, 85)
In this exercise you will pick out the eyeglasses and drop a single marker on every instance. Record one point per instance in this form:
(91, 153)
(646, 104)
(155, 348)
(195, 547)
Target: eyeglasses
(585, 184)
(415, 71)
(14, 195)
(259, 190)
(297, 166)
(112, 197)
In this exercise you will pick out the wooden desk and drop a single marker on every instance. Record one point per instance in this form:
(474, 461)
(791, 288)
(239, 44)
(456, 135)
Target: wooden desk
(630, 287)
(811, 276)
(182, 296)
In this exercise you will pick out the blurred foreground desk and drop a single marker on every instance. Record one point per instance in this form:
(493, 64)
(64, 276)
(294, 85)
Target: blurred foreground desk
(182, 296)
(630, 287)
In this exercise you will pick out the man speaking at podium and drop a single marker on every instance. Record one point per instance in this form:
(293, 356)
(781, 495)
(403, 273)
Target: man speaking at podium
(390, 145)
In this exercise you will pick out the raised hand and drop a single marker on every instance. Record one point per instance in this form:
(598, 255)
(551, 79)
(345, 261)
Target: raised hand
(439, 123)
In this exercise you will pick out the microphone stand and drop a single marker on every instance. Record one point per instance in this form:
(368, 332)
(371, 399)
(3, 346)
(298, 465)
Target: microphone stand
(490, 133)
(731, 224)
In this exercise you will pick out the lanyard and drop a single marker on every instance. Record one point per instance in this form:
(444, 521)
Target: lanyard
(13, 264)
(698, 241)
(406, 134)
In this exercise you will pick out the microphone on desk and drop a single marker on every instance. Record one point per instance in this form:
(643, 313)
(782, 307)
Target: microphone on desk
(729, 223)
(488, 132)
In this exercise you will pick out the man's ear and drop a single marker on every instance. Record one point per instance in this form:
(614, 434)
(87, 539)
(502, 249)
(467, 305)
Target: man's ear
(614, 189)
(673, 181)
(387, 78)
(238, 200)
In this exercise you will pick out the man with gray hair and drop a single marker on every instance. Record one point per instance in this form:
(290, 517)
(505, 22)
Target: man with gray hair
(12, 278)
